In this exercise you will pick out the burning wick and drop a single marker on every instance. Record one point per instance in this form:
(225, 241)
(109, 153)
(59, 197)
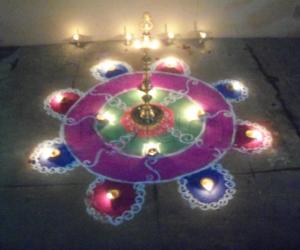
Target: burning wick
(171, 62)
(254, 134)
(207, 183)
(128, 39)
(194, 113)
(235, 86)
(113, 194)
(202, 37)
(201, 112)
(152, 152)
(151, 149)
(171, 37)
(202, 34)
(106, 118)
(137, 44)
(109, 66)
(52, 152)
(60, 98)
(76, 38)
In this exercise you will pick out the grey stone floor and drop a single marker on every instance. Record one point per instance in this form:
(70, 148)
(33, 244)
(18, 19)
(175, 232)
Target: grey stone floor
(47, 212)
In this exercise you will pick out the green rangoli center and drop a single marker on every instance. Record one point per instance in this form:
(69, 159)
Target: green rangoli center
(177, 139)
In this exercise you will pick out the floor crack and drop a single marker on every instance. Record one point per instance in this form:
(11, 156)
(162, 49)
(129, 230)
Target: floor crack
(157, 215)
(269, 171)
(273, 80)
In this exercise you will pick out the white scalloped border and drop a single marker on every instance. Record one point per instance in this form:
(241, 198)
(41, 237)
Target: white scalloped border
(244, 91)
(267, 138)
(223, 201)
(46, 170)
(97, 76)
(47, 107)
(187, 70)
(127, 215)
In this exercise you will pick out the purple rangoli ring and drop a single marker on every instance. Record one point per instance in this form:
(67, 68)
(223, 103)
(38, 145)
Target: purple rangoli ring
(102, 159)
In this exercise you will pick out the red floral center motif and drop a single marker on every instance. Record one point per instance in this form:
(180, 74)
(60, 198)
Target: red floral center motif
(161, 127)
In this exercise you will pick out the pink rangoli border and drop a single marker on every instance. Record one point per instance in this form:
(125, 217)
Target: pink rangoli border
(104, 160)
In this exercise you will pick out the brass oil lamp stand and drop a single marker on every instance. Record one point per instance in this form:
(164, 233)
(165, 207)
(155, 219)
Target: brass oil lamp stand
(147, 114)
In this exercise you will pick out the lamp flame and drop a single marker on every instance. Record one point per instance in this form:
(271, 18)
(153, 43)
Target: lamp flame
(76, 37)
(107, 116)
(151, 148)
(203, 35)
(207, 183)
(128, 38)
(50, 152)
(194, 113)
(108, 65)
(171, 35)
(236, 85)
(113, 194)
(171, 62)
(254, 134)
(59, 97)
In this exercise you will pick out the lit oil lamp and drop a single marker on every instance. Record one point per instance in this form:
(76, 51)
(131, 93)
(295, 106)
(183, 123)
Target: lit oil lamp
(234, 86)
(146, 42)
(60, 98)
(51, 153)
(113, 194)
(137, 44)
(171, 37)
(194, 113)
(151, 149)
(254, 134)
(152, 152)
(171, 62)
(200, 112)
(207, 183)
(106, 117)
(128, 39)
(202, 37)
(108, 66)
(76, 38)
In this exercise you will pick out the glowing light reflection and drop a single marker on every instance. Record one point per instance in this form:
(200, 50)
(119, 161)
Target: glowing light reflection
(171, 62)
(254, 134)
(50, 152)
(59, 97)
(108, 65)
(106, 116)
(151, 148)
(203, 35)
(193, 113)
(207, 183)
(113, 194)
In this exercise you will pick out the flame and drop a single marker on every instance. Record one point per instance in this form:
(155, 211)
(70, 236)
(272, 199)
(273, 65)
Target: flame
(207, 183)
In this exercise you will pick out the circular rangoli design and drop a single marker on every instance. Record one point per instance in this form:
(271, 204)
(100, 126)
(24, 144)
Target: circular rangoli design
(195, 128)
(186, 145)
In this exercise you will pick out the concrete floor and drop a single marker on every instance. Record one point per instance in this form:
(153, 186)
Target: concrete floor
(47, 212)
